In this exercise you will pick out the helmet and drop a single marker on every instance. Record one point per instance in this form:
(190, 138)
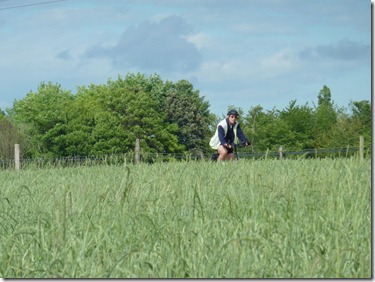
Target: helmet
(233, 112)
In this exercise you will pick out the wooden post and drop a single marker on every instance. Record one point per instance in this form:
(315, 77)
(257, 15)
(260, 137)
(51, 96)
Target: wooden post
(361, 147)
(137, 151)
(281, 152)
(17, 156)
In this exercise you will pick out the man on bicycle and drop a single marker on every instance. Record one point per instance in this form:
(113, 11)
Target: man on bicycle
(227, 131)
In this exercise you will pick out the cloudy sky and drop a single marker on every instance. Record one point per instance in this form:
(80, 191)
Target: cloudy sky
(235, 52)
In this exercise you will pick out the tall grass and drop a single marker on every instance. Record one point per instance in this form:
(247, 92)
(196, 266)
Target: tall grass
(244, 219)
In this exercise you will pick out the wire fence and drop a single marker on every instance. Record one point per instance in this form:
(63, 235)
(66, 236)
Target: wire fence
(129, 158)
(316, 153)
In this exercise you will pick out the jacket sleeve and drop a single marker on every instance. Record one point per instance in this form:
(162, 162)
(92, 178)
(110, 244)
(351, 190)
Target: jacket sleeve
(221, 133)
(242, 136)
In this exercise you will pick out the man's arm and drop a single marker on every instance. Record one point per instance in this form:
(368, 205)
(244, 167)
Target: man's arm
(242, 136)
(221, 135)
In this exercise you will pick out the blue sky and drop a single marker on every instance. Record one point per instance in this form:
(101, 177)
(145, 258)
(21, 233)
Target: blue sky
(235, 52)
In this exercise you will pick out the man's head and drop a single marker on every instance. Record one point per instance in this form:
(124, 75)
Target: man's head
(232, 116)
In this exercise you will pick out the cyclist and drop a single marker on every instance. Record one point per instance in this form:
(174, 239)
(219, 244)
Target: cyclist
(227, 131)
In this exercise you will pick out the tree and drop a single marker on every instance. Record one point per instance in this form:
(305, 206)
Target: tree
(91, 128)
(185, 107)
(325, 119)
(300, 120)
(361, 119)
(252, 130)
(9, 136)
(324, 96)
(362, 112)
(344, 133)
(266, 130)
(140, 115)
(42, 115)
(107, 119)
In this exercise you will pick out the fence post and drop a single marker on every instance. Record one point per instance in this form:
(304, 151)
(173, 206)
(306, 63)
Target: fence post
(137, 151)
(17, 156)
(361, 147)
(281, 152)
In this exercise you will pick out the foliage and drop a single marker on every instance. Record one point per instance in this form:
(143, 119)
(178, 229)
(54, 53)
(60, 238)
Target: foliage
(91, 129)
(9, 136)
(167, 117)
(43, 116)
(343, 134)
(302, 127)
(361, 119)
(267, 130)
(299, 120)
(190, 112)
(140, 116)
(325, 119)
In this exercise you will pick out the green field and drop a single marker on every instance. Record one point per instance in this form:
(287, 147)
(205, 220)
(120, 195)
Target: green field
(241, 219)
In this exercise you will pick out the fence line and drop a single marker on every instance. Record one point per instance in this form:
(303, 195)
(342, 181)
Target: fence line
(165, 157)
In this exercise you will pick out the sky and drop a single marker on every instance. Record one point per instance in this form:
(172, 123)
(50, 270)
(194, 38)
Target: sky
(243, 53)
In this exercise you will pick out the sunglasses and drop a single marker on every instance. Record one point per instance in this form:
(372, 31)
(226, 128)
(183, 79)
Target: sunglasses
(233, 116)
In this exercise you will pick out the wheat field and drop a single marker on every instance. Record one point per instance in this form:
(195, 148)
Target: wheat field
(196, 219)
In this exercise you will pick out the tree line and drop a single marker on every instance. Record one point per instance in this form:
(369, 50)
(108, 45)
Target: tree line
(166, 117)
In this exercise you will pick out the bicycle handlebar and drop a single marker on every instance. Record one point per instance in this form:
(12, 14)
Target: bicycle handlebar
(240, 145)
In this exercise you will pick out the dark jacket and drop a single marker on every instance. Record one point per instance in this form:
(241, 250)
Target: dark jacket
(230, 136)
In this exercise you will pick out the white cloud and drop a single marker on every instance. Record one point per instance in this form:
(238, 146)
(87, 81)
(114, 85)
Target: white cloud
(155, 46)
(281, 62)
(200, 40)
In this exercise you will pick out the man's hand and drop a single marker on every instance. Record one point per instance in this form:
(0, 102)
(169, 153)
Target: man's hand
(228, 145)
(245, 144)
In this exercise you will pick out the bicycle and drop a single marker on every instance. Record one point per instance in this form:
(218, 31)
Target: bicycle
(234, 146)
